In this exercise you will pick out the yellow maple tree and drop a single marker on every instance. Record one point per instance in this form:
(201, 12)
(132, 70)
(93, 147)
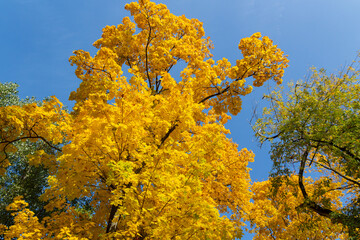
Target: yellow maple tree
(146, 150)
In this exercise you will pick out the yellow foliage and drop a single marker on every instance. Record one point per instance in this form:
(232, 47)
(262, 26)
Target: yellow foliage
(276, 211)
(26, 225)
(148, 151)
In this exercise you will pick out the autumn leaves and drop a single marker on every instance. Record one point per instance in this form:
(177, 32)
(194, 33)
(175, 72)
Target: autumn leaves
(146, 151)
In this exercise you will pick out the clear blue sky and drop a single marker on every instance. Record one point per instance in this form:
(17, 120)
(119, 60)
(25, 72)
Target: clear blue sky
(38, 36)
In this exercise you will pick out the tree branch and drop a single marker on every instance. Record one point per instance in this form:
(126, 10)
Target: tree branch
(111, 226)
(146, 55)
(225, 89)
(343, 149)
(31, 137)
(301, 173)
(309, 203)
(271, 137)
(163, 139)
(339, 173)
(215, 94)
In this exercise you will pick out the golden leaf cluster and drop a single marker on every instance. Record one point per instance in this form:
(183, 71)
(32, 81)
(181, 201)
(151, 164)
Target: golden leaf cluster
(147, 149)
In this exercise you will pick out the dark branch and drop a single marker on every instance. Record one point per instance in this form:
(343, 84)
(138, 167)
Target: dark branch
(225, 89)
(32, 137)
(309, 203)
(301, 174)
(111, 226)
(146, 55)
(270, 137)
(343, 149)
(339, 173)
(215, 94)
(163, 139)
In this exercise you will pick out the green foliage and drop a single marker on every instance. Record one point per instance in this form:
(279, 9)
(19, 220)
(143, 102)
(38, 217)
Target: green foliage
(315, 127)
(9, 95)
(21, 178)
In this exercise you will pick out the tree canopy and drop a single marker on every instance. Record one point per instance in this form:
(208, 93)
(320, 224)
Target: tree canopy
(21, 178)
(144, 153)
(314, 130)
(147, 149)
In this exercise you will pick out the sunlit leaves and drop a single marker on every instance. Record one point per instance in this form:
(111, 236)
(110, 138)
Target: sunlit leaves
(146, 150)
(315, 127)
(277, 213)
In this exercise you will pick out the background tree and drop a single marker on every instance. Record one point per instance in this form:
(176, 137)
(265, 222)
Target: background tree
(21, 179)
(149, 152)
(317, 126)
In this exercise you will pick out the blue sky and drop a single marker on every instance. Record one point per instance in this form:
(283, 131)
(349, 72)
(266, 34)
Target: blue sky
(38, 36)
